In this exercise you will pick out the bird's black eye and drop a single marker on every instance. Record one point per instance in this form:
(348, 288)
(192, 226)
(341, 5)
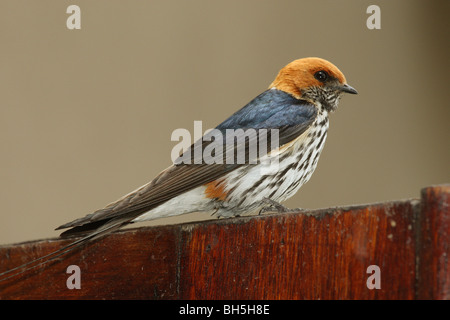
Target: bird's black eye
(322, 76)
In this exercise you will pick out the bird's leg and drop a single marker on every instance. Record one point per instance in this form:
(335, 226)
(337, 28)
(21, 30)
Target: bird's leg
(271, 205)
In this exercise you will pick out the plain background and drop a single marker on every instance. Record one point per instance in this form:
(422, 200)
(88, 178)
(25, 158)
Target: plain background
(86, 115)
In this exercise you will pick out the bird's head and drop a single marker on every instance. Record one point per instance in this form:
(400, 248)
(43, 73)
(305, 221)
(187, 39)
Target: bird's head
(315, 80)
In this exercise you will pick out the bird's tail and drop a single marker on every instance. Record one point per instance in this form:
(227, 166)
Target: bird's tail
(102, 230)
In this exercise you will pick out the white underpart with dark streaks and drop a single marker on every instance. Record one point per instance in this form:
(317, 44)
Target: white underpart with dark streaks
(296, 165)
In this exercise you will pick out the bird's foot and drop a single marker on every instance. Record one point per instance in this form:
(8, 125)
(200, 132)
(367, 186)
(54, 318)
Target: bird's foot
(273, 206)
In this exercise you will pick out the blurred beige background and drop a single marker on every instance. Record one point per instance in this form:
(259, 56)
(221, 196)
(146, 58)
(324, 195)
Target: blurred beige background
(86, 115)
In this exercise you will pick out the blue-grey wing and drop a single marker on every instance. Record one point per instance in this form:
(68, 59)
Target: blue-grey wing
(271, 110)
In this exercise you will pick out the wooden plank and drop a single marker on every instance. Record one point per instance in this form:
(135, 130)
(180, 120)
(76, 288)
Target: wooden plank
(324, 255)
(434, 237)
(132, 264)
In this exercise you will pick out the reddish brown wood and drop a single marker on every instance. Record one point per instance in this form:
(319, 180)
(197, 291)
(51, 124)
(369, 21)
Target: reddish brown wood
(132, 264)
(434, 236)
(296, 256)
(320, 254)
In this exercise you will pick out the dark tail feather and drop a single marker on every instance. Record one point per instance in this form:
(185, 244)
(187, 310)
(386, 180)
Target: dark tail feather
(83, 230)
(101, 230)
(43, 260)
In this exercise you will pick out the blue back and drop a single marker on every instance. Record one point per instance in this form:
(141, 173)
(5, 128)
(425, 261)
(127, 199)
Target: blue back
(271, 109)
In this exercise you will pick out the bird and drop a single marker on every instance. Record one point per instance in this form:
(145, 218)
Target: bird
(293, 112)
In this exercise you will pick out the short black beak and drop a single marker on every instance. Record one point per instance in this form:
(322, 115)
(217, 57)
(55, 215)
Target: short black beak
(348, 89)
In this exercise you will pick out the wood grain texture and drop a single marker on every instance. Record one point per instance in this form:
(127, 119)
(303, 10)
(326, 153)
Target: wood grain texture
(321, 254)
(434, 236)
(324, 255)
(132, 264)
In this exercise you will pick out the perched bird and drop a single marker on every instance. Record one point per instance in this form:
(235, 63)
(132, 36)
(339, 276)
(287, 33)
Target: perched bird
(296, 104)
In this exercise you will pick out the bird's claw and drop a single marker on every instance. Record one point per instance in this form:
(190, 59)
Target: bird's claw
(273, 206)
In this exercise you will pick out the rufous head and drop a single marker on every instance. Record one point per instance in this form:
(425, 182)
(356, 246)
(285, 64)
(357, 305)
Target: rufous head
(313, 79)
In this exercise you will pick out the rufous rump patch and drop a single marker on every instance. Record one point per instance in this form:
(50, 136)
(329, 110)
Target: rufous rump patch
(216, 190)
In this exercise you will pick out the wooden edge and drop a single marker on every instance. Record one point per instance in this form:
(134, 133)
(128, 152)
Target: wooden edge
(171, 262)
(433, 255)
